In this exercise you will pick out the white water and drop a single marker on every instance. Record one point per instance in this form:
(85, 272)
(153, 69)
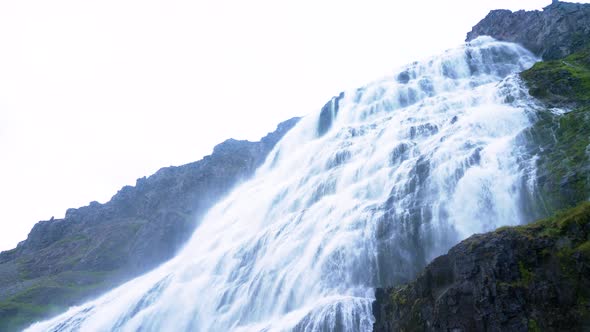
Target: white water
(405, 172)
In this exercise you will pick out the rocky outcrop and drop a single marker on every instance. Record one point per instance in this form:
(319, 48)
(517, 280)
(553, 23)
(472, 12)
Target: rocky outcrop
(94, 248)
(560, 29)
(527, 278)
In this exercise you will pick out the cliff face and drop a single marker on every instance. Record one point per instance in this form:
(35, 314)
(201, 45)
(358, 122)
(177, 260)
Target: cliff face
(528, 278)
(560, 29)
(96, 247)
(560, 139)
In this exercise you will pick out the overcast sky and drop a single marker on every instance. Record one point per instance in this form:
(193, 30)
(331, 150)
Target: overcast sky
(95, 94)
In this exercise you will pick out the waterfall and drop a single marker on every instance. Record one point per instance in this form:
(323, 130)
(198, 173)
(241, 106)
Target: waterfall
(361, 194)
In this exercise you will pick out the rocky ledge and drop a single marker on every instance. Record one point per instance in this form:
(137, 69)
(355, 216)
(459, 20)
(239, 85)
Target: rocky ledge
(527, 278)
(560, 29)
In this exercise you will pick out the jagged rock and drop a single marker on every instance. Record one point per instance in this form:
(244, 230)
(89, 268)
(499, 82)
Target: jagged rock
(560, 29)
(527, 278)
(99, 246)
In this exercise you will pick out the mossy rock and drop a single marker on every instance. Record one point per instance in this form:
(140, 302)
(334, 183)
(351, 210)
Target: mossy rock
(561, 82)
(561, 141)
(533, 277)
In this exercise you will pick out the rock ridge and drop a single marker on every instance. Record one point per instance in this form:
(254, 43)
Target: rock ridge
(559, 30)
(96, 247)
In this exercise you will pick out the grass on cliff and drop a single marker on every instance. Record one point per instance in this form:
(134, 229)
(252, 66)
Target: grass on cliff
(563, 139)
(47, 297)
(565, 80)
(562, 223)
(20, 315)
(562, 144)
(571, 225)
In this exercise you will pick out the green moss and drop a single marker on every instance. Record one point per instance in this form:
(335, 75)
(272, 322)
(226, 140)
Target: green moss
(560, 80)
(584, 248)
(15, 316)
(503, 229)
(525, 275)
(571, 224)
(398, 297)
(578, 216)
(564, 158)
(561, 141)
(70, 240)
(49, 296)
(533, 326)
(560, 222)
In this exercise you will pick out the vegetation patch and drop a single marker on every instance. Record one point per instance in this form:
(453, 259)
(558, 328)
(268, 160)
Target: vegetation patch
(561, 141)
(16, 316)
(533, 326)
(47, 297)
(526, 275)
(561, 81)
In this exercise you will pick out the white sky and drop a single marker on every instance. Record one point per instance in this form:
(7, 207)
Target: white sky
(94, 94)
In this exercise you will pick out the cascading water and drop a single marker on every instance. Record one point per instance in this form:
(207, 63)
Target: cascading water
(360, 195)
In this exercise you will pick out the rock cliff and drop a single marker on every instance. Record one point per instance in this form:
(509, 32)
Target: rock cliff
(560, 29)
(527, 278)
(96, 247)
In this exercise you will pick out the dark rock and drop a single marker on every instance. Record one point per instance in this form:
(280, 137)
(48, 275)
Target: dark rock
(527, 278)
(328, 114)
(560, 29)
(403, 77)
(98, 246)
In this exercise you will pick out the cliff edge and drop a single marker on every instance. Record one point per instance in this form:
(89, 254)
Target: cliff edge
(558, 30)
